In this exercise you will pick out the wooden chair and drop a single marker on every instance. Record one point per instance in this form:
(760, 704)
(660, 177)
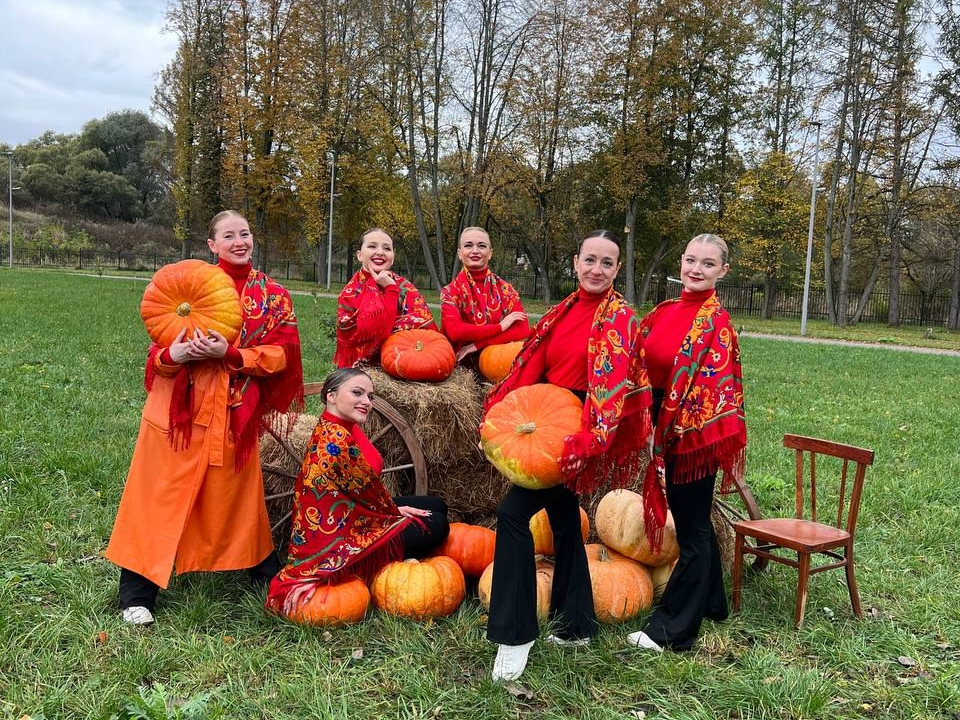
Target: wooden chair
(807, 537)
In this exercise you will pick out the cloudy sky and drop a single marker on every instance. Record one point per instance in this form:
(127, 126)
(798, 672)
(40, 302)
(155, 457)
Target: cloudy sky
(64, 62)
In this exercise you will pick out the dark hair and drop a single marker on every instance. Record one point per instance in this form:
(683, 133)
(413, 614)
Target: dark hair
(605, 234)
(337, 378)
(373, 230)
(212, 227)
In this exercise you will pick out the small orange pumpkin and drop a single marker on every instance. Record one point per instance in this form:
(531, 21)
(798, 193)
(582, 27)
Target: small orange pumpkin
(419, 355)
(495, 360)
(417, 589)
(345, 602)
(621, 587)
(620, 525)
(190, 295)
(522, 435)
(470, 546)
(543, 533)
(544, 586)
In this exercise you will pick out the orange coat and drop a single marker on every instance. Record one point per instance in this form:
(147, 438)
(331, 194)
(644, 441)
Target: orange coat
(189, 508)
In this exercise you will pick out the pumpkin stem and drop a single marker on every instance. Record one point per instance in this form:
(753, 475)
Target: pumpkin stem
(183, 309)
(419, 346)
(526, 428)
(604, 555)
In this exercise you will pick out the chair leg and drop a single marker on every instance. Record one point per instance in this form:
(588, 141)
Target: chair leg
(737, 571)
(804, 571)
(852, 586)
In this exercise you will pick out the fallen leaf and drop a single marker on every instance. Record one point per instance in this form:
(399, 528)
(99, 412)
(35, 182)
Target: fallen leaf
(639, 714)
(47, 526)
(229, 639)
(866, 706)
(357, 654)
(905, 680)
(943, 646)
(518, 691)
(771, 679)
(906, 661)
(327, 636)
(102, 637)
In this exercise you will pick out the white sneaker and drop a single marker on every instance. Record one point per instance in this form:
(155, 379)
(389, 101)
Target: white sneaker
(511, 661)
(565, 642)
(641, 640)
(137, 615)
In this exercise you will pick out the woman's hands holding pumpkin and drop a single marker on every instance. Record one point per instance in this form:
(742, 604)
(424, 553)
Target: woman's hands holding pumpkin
(198, 347)
(410, 512)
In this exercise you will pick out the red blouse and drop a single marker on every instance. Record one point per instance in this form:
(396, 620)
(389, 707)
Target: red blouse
(670, 326)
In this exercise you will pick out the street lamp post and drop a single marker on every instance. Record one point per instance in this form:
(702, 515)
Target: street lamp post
(9, 155)
(333, 173)
(813, 211)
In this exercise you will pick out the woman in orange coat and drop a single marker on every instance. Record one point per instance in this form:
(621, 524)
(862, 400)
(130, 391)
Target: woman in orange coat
(194, 498)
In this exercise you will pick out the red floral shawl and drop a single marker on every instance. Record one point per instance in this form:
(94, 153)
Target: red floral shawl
(616, 416)
(344, 520)
(268, 319)
(701, 424)
(483, 303)
(363, 322)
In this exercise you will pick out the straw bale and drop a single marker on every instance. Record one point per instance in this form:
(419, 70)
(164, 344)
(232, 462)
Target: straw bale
(280, 469)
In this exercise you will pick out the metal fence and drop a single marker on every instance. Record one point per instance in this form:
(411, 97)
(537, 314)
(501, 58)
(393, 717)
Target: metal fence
(740, 298)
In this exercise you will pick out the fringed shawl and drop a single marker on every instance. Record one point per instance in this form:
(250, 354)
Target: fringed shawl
(268, 319)
(363, 322)
(484, 302)
(701, 425)
(344, 520)
(616, 415)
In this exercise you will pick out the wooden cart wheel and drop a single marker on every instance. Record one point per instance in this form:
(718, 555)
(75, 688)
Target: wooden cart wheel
(393, 421)
(741, 506)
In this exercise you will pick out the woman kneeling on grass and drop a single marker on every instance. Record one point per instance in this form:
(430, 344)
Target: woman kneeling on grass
(194, 494)
(692, 354)
(344, 520)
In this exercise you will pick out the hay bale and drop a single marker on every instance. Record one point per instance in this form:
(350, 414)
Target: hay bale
(725, 536)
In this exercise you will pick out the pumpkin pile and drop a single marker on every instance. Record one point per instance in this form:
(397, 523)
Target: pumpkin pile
(418, 355)
(190, 295)
(522, 435)
(469, 546)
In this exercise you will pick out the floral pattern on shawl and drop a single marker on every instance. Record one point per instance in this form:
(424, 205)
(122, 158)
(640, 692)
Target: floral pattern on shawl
(483, 303)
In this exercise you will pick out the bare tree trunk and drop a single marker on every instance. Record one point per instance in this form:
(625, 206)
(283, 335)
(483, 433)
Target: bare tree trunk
(630, 254)
(868, 289)
(652, 268)
(954, 320)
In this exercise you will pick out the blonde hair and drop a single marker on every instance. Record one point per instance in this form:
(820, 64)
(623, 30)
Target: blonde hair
(472, 228)
(716, 241)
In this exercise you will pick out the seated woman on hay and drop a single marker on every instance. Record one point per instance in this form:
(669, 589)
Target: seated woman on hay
(375, 303)
(344, 521)
(479, 308)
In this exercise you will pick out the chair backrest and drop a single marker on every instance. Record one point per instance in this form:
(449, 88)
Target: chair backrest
(847, 453)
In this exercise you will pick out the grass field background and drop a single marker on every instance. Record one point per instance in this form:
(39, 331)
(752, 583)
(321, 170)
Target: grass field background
(71, 368)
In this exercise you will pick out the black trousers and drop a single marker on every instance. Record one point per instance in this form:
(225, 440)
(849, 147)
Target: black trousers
(513, 597)
(418, 540)
(136, 590)
(696, 588)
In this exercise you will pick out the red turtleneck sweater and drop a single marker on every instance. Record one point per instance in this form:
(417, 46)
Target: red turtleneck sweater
(370, 453)
(670, 326)
(462, 332)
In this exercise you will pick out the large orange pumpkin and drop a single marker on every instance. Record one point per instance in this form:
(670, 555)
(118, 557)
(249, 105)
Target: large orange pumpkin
(419, 355)
(495, 360)
(621, 587)
(345, 602)
(470, 546)
(416, 589)
(620, 525)
(544, 586)
(190, 295)
(543, 533)
(522, 435)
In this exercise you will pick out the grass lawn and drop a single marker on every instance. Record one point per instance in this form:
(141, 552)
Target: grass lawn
(71, 368)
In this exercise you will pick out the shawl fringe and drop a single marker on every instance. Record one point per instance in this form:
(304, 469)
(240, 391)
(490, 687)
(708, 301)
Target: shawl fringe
(181, 410)
(619, 466)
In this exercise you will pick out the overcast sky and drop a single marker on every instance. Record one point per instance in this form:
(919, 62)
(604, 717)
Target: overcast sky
(64, 62)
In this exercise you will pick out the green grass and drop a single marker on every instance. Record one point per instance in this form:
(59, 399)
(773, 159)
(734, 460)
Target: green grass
(71, 364)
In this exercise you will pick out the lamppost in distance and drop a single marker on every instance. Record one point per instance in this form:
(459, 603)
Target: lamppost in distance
(813, 211)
